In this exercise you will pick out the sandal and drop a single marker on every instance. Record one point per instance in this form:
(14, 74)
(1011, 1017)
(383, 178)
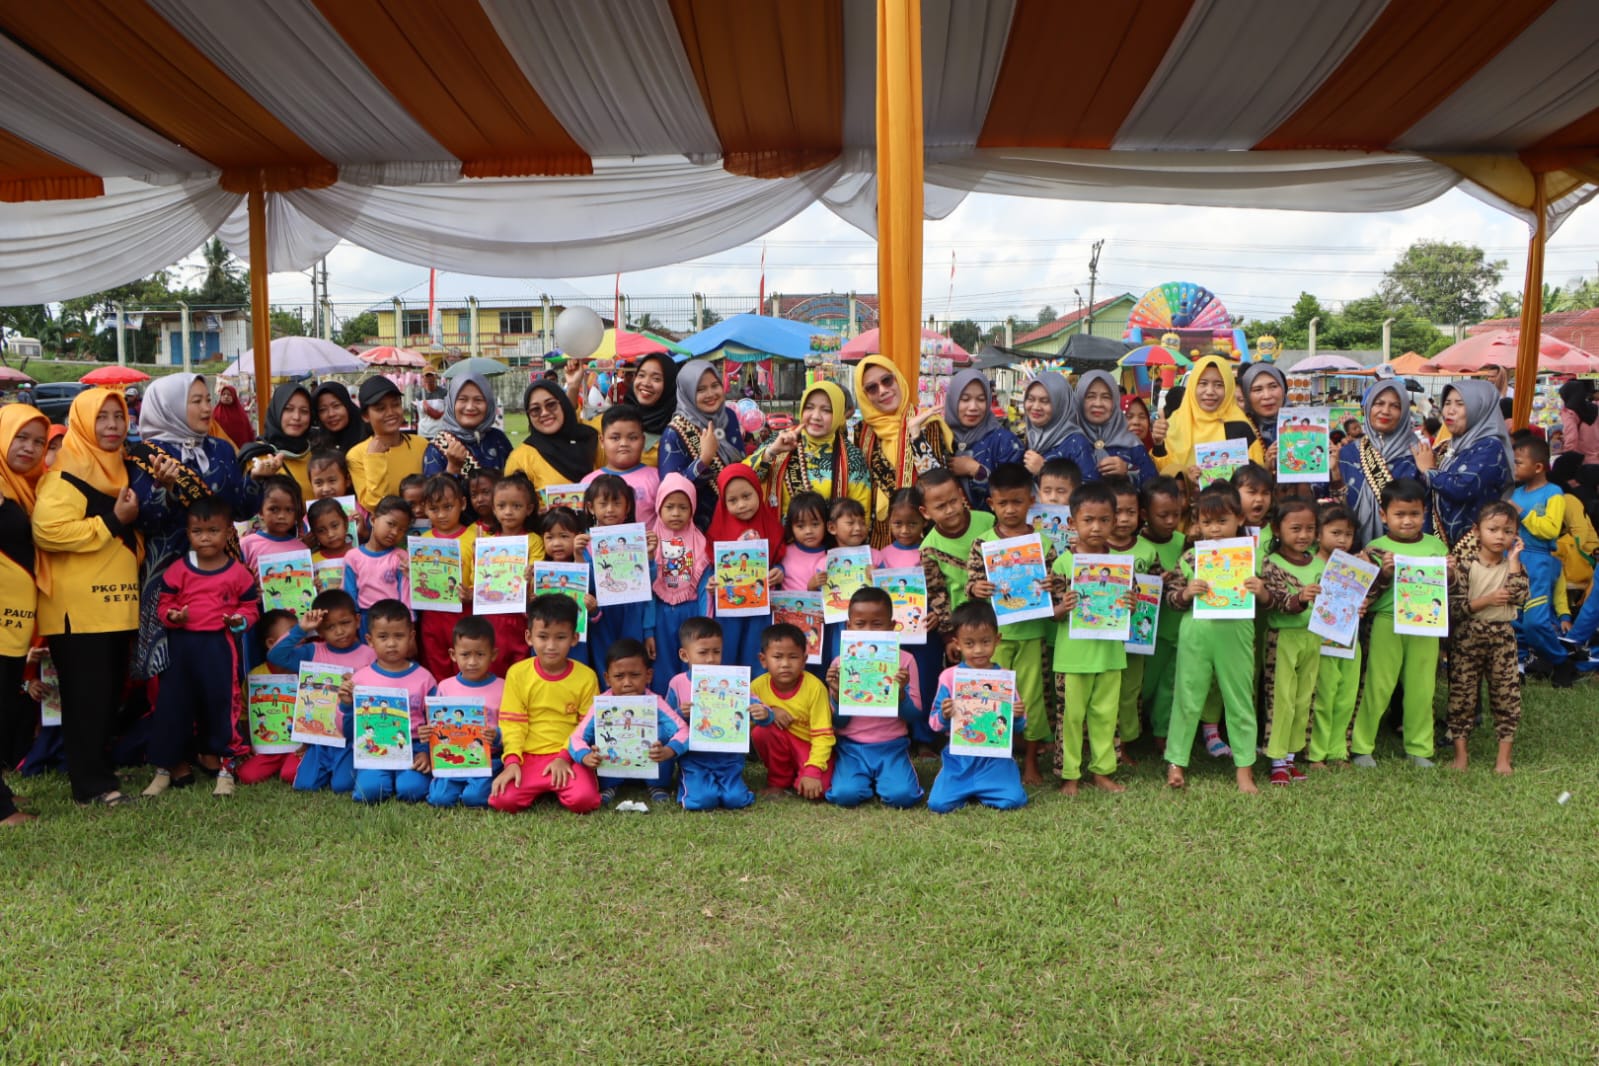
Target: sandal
(110, 799)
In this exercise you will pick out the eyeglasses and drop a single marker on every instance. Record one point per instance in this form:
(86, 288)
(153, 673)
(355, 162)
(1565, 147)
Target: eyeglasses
(536, 410)
(880, 385)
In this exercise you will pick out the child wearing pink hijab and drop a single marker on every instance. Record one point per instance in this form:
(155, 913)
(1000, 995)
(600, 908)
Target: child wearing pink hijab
(682, 568)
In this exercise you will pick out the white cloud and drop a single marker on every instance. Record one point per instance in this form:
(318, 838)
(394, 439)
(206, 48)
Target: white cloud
(1015, 255)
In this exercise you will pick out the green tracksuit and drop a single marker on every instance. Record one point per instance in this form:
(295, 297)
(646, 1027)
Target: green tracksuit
(1219, 651)
(1298, 652)
(1089, 675)
(1337, 685)
(1160, 671)
(1393, 659)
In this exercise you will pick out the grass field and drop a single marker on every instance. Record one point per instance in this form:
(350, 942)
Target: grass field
(1394, 915)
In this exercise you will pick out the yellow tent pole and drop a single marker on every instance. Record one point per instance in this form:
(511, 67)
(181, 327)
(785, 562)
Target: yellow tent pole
(1531, 310)
(260, 320)
(899, 182)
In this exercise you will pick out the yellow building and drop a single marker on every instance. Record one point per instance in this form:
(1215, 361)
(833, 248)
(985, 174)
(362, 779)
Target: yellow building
(500, 330)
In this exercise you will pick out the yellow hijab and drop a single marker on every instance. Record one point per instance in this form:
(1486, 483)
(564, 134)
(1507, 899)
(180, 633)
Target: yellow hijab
(889, 426)
(81, 454)
(835, 396)
(20, 487)
(1190, 424)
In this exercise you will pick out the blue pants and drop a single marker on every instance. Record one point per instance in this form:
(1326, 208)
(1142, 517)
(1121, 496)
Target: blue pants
(884, 767)
(467, 791)
(964, 779)
(929, 664)
(664, 772)
(324, 767)
(195, 701)
(375, 786)
(668, 617)
(712, 779)
(741, 643)
(1587, 621)
(613, 623)
(1538, 627)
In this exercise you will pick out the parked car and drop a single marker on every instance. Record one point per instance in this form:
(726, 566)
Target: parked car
(55, 398)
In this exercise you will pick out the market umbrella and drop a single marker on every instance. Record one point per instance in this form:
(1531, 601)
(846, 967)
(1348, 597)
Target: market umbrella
(869, 343)
(628, 346)
(1329, 363)
(10, 375)
(112, 376)
(477, 364)
(1154, 355)
(299, 357)
(1084, 351)
(1408, 364)
(755, 335)
(1499, 348)
(388, 355)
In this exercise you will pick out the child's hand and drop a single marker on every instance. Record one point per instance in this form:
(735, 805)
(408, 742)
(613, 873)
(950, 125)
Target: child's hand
(1385, 564)
(902, 677)
(422, 763)
(774, 576)
(347, 690)
(1068, 600)
(177, 615)
(652, 542)
(1565, 623)
(809, 787)
(310, 620)
(649, 647)
(947, 708)
(832, 680)
(1196, 588)
(592, 759)
(590, 604)
(559, 772)
(233, 621)
(1194, 474)
(1365, 605)
(781, 718)
(711, 582)
(36, 654)
(983, 589)
(1515, 549)
(510, 777)
(425, 731)
(659, 752)
(1060, 584)
(580, 543)
(818, 579)
(1018, 708)
(1255, 585)
(36, 690)
(1309, 593)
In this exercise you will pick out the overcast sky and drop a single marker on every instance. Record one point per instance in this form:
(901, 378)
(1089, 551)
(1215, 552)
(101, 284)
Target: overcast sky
(1015, 255)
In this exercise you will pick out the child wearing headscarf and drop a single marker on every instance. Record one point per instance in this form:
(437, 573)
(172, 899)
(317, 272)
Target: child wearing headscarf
(682, 568)
(698, 443)
(230, 416)
(745, 517)
(982, 441)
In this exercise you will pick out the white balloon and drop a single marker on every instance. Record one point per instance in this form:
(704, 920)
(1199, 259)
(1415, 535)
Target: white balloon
(578, 332)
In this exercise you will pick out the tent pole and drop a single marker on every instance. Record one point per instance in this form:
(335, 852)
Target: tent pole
(260, 320)
(899, 182)
(1531, 310)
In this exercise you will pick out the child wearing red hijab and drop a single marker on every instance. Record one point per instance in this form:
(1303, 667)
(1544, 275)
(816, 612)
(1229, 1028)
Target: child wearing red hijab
(742, 513)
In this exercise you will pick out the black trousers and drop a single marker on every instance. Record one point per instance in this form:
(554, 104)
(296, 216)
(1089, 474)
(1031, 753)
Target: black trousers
(18, 715)
(93, 668)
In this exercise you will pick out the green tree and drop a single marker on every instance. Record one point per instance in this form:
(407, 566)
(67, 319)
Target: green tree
(1047, 314)
(288, 323)
(647, 321)
(708, 318)
(357, 329)
(224, 282)
(967, 334)
(1359, 326)
(1442, 281)
(1506, 304)
(89, 315)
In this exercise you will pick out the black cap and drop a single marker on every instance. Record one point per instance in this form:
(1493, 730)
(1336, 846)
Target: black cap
(374, 389)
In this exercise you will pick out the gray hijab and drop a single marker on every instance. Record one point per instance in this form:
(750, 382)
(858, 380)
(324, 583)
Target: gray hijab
(688, 383)
(1483, 420)
(448, 423)
(1063, 412)
(966, 436)
(1396, 445)
(1113, 432)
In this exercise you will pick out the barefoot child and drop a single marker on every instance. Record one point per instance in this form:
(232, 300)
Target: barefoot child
(1219, 651)
(391, 635)
(1123, 540)
(1485, 591)
(706, 779)
(873, 754)
(627, 672)
(1088, 673)
(1021, 644)
(793, 728)
(1292, 575)
(1159, 551)
(545, 697)
(963, 779)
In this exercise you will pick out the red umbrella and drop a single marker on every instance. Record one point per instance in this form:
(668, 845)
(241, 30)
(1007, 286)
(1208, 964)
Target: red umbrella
(870, 343)
(11, 375)
(388, 355)
(1499, 348)
(111, 376)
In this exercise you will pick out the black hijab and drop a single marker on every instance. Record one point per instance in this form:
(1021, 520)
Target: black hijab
(570, 449)
(291, 446)
(657, 416)
(352, 434)
(1578, 395)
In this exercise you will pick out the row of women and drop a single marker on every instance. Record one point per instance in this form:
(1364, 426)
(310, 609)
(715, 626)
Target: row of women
(82, 541)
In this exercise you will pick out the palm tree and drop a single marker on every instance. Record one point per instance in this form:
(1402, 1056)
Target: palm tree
(223, 281)
(647, 321)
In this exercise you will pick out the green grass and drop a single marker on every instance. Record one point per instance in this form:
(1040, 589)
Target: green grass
(1392, 915)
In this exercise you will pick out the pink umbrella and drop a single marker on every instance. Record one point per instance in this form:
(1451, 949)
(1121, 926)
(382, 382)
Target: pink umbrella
(868, 344)
(1498, 348)
(388, 355)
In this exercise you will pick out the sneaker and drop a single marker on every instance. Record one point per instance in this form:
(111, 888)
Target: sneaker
(224, 785)
(1217, 748)
(1280, 776)
(1296, 773)
(158, 784)
(607, 796)
(1421, 763)
(659, 795)
(1365, 762)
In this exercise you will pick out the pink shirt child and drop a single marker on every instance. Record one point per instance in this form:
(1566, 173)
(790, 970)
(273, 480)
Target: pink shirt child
(372, 576)
(416, 681)
(800, 565)
(491, 692)
(255, 545)
(863, 729)
(645, 481)
(894, 557)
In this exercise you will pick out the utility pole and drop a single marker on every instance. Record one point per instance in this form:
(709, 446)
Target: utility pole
(1093, 278)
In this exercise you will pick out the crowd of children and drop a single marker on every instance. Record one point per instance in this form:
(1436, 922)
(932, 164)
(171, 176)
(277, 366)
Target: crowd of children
(1242, 686)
